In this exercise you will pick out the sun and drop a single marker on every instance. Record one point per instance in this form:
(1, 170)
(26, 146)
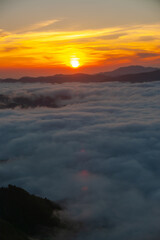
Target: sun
(75, 63)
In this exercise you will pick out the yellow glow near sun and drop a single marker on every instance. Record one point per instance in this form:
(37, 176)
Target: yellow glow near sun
(75, 49)
(75, 63)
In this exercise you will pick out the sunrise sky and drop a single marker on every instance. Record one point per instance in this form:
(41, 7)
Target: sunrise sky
(44, 37)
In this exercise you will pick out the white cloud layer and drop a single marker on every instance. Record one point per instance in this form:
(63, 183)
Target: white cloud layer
(99, 153)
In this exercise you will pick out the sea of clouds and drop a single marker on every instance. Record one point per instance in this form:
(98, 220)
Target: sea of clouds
(97, 152)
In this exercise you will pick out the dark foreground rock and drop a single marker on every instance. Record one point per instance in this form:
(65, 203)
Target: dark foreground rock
(9, 232)
(23, 215)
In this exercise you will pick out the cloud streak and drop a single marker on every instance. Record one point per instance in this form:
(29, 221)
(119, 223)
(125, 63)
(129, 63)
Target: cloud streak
(39, 25)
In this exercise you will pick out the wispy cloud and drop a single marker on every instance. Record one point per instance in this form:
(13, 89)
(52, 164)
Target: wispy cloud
(3, 33)
(148, 54)
(42, 24)
(148, 38)
(38, 26)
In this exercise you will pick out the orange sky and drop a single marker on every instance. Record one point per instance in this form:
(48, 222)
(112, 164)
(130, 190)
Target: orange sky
(42, 49)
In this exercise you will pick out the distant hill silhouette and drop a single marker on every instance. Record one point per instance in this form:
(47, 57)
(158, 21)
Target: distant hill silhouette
(139, 78)
(60, 78)
(129, 70)
(127, 74)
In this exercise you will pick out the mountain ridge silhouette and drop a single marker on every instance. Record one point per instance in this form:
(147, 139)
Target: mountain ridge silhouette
(125, 74)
